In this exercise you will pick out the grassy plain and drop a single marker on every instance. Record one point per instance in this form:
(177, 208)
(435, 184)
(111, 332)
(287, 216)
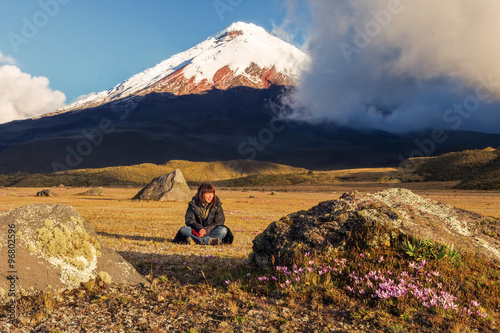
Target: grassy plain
(142, 231)
(147, 227)
(122, 222)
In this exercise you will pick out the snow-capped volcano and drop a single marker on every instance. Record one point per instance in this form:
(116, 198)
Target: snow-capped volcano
(241, 55)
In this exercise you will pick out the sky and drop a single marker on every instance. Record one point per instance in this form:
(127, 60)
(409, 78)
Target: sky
(63, 49)
(393, 65)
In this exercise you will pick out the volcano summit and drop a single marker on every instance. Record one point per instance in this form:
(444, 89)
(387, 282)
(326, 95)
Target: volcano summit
(241, 55)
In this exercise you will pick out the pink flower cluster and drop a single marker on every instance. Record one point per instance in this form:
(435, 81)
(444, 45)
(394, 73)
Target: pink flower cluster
(473, 309)
(379, 285)
(417, 283)
(295, 273)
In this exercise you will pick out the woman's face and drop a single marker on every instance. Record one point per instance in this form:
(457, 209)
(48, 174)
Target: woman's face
(209, 196)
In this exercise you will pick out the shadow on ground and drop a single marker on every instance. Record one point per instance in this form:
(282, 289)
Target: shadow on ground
(95, 199)
(192, 269)
(136, 238)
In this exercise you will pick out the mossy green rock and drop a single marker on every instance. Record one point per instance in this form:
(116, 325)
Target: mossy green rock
(55, 249)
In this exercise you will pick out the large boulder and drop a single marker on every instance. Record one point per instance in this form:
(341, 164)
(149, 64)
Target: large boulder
(367, 220)
(170, 187)
(51, 247)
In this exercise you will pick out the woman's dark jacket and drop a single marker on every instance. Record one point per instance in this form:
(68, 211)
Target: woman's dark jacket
(214, 219)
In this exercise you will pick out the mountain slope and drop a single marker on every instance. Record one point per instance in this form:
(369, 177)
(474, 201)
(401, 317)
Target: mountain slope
(219, 125)
(241, 55)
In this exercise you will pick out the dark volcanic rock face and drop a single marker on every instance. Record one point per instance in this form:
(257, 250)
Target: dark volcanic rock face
(225, 78)
(373, 220)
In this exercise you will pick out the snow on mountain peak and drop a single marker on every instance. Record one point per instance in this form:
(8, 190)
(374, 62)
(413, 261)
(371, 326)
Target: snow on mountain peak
(246, 28)
(243, 54)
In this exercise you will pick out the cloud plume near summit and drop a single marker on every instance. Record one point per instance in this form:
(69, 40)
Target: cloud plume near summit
(24, 96)
(402, 65)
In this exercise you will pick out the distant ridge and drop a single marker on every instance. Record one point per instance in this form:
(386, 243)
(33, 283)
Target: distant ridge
(486, 177)
(455, 165)
(142, 174)
(476, 169)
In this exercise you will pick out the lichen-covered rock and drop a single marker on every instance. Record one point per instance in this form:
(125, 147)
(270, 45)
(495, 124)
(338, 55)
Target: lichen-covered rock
(170, 187)
(372, 220)
(51, 246)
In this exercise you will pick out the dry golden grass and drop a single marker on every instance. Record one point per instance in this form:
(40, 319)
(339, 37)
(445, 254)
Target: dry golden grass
(140, 226)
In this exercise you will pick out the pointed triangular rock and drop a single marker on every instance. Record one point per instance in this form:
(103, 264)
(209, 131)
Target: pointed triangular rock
(170, 187)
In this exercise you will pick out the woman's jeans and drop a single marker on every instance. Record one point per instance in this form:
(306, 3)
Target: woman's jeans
(219, 232)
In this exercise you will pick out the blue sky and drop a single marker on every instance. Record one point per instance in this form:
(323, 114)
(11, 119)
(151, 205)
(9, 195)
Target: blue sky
(85, 46)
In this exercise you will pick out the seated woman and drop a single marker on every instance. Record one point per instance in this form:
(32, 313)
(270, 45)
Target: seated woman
(204, 220)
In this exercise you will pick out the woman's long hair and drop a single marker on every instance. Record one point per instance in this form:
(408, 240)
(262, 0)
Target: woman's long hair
(206, 188)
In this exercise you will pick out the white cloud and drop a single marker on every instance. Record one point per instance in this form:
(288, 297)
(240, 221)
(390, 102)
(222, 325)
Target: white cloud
(6, 60)
(23, 96)
(401, 64)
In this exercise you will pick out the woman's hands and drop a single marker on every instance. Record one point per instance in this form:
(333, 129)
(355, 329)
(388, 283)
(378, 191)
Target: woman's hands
(202, 232)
